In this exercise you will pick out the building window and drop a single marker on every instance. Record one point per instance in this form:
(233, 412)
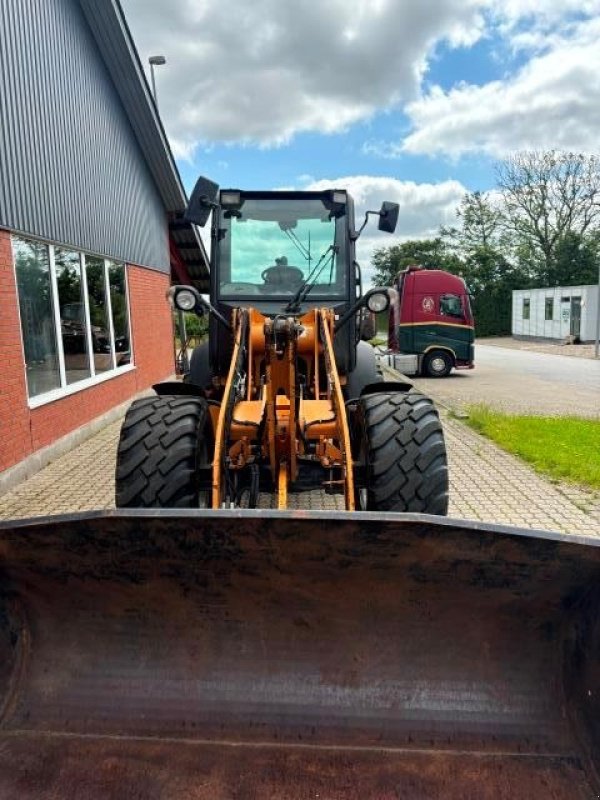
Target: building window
(526, 308)
(74, 317)
(549, 314)
(120, 312)
(99, 318)
(38, 323)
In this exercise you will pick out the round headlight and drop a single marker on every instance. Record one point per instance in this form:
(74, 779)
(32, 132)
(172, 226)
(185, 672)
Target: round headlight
(378, 302)
(185, 300)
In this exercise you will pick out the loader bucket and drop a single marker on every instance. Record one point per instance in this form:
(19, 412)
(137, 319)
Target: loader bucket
(236, 654)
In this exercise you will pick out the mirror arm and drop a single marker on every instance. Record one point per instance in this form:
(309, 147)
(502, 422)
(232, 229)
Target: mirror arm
(363, 226)
(362, 302)
(219, 317)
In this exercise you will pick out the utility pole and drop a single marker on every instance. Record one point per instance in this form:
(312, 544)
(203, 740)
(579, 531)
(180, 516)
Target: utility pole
(597, 345)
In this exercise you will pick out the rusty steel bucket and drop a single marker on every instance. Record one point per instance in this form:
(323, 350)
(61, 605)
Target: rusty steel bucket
(239, 654)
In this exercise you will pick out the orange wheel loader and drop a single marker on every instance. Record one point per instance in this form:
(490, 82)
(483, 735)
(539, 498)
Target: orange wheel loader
(215, 637)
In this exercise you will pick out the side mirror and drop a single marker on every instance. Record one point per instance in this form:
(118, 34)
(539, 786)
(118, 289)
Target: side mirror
(202, 201)
(388, 217)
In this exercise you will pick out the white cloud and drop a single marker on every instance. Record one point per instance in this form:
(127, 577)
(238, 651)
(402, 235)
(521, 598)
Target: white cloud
(262, 71)
(259, 72)
(542, 12)
(552, 102)
(423, 208)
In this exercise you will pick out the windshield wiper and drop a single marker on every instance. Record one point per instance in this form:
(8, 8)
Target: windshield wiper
(304, 251)
(302, 293)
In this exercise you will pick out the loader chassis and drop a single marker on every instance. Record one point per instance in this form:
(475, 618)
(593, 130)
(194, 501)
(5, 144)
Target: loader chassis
(272, 415)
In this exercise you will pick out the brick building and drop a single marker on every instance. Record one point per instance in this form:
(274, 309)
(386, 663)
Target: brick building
(91, 226)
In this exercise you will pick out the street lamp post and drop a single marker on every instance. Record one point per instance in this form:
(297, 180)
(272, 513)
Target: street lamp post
(158, 61)
(155, 61)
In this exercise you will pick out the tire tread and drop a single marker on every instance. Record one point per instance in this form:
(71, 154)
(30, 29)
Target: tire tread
(406, 453)
(157, 453)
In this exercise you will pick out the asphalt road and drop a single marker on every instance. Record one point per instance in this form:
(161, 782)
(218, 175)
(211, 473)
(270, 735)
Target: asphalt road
(522, 381)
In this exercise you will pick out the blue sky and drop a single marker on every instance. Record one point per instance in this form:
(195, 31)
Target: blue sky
(317, 155)
(406, 100)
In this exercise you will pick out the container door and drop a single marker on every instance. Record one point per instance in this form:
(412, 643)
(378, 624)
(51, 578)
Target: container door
(565, 316)
(576, 316)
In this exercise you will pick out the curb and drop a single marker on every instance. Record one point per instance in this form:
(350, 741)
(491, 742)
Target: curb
(394, 375)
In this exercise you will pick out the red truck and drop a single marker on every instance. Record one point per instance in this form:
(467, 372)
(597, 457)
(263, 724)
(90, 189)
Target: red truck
(431, 327)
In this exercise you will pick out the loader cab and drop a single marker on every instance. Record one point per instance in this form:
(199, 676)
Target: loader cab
(267, 245)
(282, 253)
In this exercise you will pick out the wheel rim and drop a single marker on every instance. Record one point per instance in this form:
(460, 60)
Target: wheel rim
(438, 364)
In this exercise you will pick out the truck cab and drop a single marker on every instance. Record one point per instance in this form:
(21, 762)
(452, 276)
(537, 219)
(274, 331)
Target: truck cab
(431, 328)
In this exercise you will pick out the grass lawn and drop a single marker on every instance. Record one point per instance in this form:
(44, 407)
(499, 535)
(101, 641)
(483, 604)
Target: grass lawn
(565, 448)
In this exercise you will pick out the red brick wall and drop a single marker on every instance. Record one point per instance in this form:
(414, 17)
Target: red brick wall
(151, 326)
(15, 441)
(24, 430)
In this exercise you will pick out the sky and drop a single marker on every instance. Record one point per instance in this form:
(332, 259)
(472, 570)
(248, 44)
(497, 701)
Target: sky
(413, 101)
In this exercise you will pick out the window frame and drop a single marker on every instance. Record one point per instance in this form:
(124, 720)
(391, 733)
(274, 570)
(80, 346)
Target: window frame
(67, 389)
(526, 305)
(549, 305)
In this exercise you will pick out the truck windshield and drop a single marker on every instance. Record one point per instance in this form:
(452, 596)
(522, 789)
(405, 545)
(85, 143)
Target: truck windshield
(271, 246)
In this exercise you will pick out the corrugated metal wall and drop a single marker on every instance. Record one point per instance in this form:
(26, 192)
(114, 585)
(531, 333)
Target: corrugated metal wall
(70, 167)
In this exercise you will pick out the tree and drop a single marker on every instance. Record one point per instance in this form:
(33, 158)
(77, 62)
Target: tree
(428, 253)
(490, 276)
(480, 224)
(576, 260)
(491, 279)
(548, 196)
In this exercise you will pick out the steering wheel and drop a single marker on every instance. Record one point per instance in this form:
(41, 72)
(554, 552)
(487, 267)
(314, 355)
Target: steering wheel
(281, 274)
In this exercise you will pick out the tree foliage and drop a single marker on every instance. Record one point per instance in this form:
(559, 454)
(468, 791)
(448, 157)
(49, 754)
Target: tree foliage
(429, 253)
(548, 198)
(479, 224)
(541, 227)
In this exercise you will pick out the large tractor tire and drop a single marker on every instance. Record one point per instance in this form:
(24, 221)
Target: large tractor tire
(398, 438)
(163, 443)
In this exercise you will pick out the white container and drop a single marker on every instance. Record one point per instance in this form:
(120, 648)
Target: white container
(556, 312)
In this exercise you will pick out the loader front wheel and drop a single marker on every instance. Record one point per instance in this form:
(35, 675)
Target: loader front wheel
(398, 439)
(162, 449)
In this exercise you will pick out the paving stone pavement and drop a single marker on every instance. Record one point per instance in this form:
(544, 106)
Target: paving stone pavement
(486, 484)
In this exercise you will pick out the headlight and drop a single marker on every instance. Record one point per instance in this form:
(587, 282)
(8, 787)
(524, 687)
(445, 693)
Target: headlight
(378, 302)
(185, 300)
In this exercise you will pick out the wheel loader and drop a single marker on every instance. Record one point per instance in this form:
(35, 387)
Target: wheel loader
(285, 400)
(198, 643)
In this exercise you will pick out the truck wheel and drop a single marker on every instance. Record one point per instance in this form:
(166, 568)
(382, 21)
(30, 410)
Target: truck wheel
(437, 364)
(163, 442)
(399, 440)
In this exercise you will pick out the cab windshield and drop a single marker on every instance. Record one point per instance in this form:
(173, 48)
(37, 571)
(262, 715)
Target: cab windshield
(271, 247)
